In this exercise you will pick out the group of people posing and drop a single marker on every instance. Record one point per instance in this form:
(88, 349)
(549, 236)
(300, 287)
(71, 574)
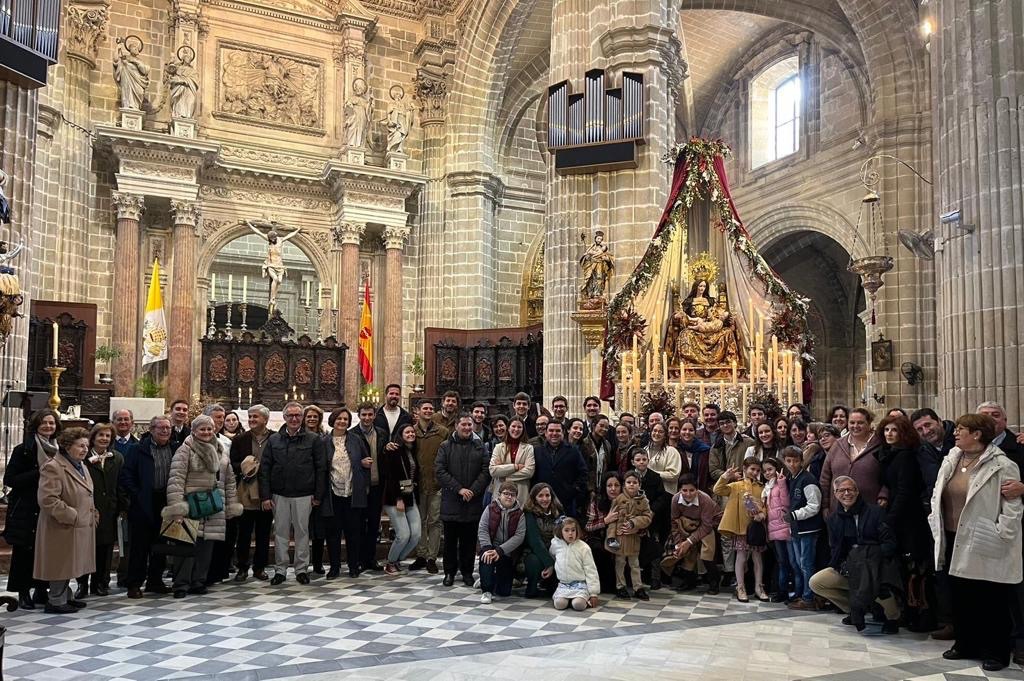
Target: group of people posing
(912, 522)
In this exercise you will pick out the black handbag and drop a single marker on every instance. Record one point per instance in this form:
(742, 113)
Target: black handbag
(757, 534)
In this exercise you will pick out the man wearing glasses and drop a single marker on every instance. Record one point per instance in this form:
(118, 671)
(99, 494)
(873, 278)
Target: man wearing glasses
(144, 476)
(292, 482)
(862, 550)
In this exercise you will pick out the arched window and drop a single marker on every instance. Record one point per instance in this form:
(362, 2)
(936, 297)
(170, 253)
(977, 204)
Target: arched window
(775, 105)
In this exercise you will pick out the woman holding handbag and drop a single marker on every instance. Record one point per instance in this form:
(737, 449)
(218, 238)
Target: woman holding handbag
(398, 476)
(200, 486)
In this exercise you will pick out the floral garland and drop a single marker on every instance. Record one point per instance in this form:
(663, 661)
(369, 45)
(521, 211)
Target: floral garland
(625, 323)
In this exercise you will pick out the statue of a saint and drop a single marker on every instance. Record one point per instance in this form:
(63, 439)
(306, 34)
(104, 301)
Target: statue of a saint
(702, 331)
(131, 75)
(273, 264)
(597, 264)
(183, 81)
(358, 110)
(398, 121)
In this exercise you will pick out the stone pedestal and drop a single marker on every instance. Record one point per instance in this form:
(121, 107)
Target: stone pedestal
(397, 160)
(185, 217)
(183, 127)
(131, 119)
(125, 330)
(353, 156)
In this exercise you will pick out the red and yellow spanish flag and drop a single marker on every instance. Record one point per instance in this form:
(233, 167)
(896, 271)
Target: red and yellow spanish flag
(366, 337)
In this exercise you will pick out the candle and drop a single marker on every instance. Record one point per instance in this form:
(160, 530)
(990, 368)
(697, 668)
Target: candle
(250, 395)
(634, 347)
(213, 286)
(735, 373)
(334, 298)
(655, 335)
(648, 375)
(701, 400)
(319, 294)
(664, 363)
(245, 288)
(746, 394)
(239, 396)
(231, 285)
(771, 366)
(56, 335)
(721, 394)
(682, 373)
(750, 320)
(799, 380)
(622, 366)
(775, 345)
(307, 293)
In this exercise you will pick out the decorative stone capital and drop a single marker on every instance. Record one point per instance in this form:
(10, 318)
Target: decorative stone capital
(185, 213)
(85, 28)
(129, 206)
(394, 238)
(431, 92)
(347, 233)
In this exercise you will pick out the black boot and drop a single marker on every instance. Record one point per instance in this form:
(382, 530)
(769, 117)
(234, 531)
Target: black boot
(25, 601)
(714, 576)
(83, 588)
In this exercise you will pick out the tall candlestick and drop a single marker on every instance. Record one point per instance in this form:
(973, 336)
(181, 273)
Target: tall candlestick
(771, 366)
(648, 375)
(746, 394)
(735, 373)
(245, 288)
(622, 366)
(701, 399)
(231, 285)
(799, 380)
(307, 293)
(634, 348)
(750, 320)
(721, 394)
(682, 373)
(56, 335)
(664, 365)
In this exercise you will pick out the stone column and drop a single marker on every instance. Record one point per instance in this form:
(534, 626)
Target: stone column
(71, 162)
(125, 329)
(394, 241)
(468, 262)
(635, 36)
(978, 92)
(18, 113)
(429, 240)
(349, 234)
(185, 218)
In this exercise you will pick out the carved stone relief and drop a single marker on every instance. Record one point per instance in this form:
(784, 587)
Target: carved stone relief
(258, 197)
(269, 88)
(84, 30)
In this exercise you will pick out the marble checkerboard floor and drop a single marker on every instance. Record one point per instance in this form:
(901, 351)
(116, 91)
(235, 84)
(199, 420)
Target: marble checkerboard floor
(378, 627)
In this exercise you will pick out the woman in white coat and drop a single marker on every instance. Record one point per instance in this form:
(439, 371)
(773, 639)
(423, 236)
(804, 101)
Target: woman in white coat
(512, 460)
(977, 535)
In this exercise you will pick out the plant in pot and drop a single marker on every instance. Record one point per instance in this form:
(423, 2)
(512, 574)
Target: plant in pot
(148, 386)
(416, 368)
(107, 353)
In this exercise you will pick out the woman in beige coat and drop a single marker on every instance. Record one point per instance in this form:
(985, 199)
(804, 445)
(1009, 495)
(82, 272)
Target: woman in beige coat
(201, 464)
(977, 533)
(66, 534)
(512, 460)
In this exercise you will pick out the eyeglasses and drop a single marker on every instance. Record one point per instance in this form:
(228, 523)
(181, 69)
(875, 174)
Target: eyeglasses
(846, 490)
(509, 495)
(293, 416)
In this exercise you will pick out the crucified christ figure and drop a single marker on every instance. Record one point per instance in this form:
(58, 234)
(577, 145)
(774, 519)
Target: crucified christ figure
(273, 264)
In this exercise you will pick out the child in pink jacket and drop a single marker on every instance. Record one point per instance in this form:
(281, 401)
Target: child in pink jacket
(776, 502)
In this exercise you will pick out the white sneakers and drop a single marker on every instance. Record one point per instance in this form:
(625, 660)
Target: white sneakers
(485, 598)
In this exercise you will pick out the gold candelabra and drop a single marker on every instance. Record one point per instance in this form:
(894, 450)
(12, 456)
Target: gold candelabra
(55, 373)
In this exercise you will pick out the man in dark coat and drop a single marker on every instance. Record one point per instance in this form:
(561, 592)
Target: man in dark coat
(179, 423)
(123, 421)
(562, 466)
(936, 441)
(391, 416)
(292, 482)
(462, 473)
(144, 478)
(369, 441)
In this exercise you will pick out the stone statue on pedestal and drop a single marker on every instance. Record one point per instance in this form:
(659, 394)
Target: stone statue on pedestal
(597, 264)
(273, 264)
(398, 121)
(183, 81)
(131, 75)
(358, 111)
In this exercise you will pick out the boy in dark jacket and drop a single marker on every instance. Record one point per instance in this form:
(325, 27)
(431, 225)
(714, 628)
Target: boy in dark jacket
(501, 532)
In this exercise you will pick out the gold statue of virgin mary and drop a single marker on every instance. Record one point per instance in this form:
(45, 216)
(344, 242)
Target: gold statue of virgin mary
(702, 333)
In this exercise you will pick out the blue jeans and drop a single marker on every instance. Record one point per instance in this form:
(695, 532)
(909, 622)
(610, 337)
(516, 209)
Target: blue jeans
(784, 567)
(407, 531)
(801, 558)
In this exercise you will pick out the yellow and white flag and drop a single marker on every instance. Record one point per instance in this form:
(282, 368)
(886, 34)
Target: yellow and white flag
(154, 327)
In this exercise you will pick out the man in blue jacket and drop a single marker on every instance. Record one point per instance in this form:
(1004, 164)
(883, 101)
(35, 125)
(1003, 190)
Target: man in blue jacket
(144, 477)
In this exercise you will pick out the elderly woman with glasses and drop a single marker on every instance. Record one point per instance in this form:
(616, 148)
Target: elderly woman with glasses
(861, 569)
(977, 533)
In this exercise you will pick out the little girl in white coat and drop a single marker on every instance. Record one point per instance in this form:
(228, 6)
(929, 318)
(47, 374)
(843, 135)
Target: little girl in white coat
(578, 581)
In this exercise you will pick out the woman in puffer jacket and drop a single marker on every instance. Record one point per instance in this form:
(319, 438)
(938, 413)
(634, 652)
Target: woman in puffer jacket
(201, 464)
